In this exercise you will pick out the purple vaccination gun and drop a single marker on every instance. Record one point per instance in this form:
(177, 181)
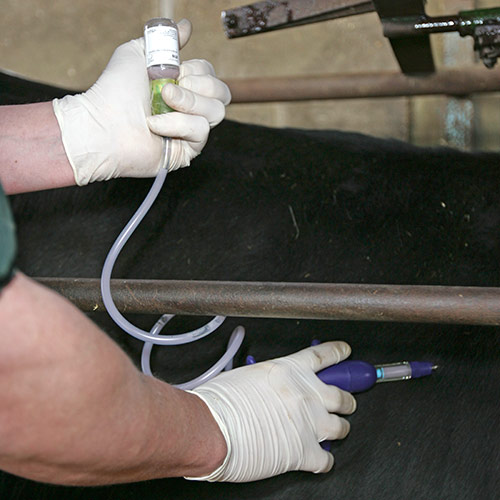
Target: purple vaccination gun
(359, 376)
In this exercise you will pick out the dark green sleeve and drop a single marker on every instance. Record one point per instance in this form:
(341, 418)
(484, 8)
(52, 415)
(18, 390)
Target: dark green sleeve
(7, 240)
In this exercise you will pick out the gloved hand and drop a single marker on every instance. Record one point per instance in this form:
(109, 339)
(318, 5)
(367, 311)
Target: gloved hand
(109, 132)
(274, 414)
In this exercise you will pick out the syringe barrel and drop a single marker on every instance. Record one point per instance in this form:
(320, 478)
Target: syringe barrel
(403, 370)
(393, 371)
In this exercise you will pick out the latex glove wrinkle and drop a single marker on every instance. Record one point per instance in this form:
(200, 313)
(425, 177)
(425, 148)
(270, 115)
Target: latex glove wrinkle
(274, 414)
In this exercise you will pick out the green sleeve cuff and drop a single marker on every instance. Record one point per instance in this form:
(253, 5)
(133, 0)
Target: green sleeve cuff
(8, 245)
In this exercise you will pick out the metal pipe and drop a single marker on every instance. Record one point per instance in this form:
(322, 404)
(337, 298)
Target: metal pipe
(358, 85)
(270, 15)
(418, 25)
(404, 303)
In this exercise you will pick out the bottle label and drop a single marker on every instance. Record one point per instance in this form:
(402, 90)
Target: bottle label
(162, 45)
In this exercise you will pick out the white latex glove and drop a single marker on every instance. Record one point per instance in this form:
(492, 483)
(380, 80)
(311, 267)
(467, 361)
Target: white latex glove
(107, 131)
(274, 414)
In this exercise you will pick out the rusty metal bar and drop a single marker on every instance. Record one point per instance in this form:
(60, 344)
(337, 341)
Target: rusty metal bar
(359, 85)
(465, 23)
(426, 304)
(416, 26)
(270, 15)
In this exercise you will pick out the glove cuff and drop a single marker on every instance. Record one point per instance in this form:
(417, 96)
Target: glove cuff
(218, 473)
(87, 159)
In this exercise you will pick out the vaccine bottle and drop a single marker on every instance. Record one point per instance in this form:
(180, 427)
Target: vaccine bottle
(161, 39)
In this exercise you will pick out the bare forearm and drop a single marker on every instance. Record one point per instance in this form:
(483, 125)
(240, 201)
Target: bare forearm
(74, 410)
(32, 155)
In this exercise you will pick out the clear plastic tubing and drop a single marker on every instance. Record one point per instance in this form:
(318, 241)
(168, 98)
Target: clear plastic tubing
(153, 336)
(113, 255)
(224, 363)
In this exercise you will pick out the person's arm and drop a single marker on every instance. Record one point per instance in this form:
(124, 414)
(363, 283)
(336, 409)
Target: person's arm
(74, 409)
(32, 156)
